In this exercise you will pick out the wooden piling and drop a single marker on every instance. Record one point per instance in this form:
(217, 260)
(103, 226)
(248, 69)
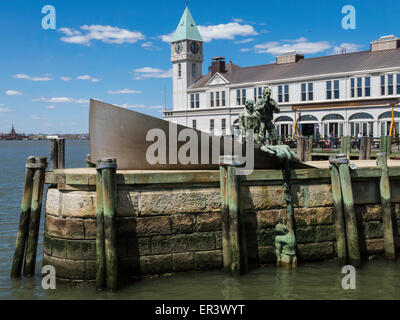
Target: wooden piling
(339, 216)
(365, 148)
(108, 168)
(234, 242)
(345, 146)
(34, 218)
(386, 145)
(302, 148)
(53, 154)
(310, 148)
(353, 248)
(384, 186)
(100, 244)
(22, 234)
(61, 153)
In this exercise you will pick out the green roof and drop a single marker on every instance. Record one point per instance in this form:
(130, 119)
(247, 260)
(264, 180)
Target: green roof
(187, 28)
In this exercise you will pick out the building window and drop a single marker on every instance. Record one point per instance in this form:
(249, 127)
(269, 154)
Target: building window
(329, 90)
(336, 88)
(194, 124)
(192, 100)
(223, 124)
(390, 84)
(310, 91)
(398, 83)
(280, 94)
(211, 125)
(217, 99)
(383, 85)
(286, 93)
(223, 99)
(303, 92)
(367, 88)
(238, 100)
(193, 70)
(211, 99)
(243, 96)
(197, 100)
(352, 85)
(179, 70)
(359, 87)
(255, 95)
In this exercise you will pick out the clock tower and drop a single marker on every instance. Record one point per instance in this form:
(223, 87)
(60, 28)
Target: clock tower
(186, 58)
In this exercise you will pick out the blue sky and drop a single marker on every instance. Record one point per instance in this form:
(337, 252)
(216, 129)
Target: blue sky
(117, 51)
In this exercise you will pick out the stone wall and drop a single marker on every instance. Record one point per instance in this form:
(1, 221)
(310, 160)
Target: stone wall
(178, 228)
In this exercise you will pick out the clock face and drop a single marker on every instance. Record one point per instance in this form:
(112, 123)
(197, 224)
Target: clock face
(194, 47)
(178, 47)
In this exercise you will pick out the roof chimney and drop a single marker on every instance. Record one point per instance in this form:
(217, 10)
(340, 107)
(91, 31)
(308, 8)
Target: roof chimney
(289, 57)
(385, 43)
(218, 65)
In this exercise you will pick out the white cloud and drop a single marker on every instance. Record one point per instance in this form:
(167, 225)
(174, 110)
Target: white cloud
(301, 45)
(13, 93)
(106, 34)
(348, 47)
(27, 77)
(123, 91)
(141, 106)
(149, 72)
(61, 100)
(87, 77)
(4, 109)
(244, 41)
(51, 107)
(66, 78)
(245, 49)
(227, 31)
(36, 117)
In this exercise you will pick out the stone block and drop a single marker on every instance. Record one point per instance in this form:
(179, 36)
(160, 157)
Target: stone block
(208, 260)
(316, 251)
(127, 203)
(182, 223)
(183, 243)
(313, 216)
(90, 270)
(208, 222)
(218, 240)
(265, 237)
(55, 247)
(325, 233)
(138, 246)
(53, 202)
(373, 246)
(180, 201)
(66, 268)
(373, 229)
(270, 218)
(263, 197)
(266, 255)
(81, 249)
(156, 264)
(90, 229)
(369, 212)
(126, 228)
(149, 226)
(78, 204)
(183, 261)
(64, 228)
(395, 187)
(305, 234)
(366, 192)
(317, 195)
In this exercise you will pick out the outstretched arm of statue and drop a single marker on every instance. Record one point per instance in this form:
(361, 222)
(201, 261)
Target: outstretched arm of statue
(275, 106)
(259, 105)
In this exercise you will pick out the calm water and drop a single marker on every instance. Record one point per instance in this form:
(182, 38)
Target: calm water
(376, 280)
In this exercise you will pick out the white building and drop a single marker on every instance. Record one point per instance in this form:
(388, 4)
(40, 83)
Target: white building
(343, 93)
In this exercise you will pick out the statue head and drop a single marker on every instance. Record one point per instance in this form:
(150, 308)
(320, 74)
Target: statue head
(281, 229)
(267, 92)
(249, 105)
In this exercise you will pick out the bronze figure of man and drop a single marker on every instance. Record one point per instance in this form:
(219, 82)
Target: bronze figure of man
(266, 106)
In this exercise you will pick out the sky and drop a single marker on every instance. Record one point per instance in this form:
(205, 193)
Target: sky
(119, 51)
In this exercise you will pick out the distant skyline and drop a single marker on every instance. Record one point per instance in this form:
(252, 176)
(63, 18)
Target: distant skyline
(119, 51)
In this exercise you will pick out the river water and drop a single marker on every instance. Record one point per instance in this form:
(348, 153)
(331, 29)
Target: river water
(377, 279)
